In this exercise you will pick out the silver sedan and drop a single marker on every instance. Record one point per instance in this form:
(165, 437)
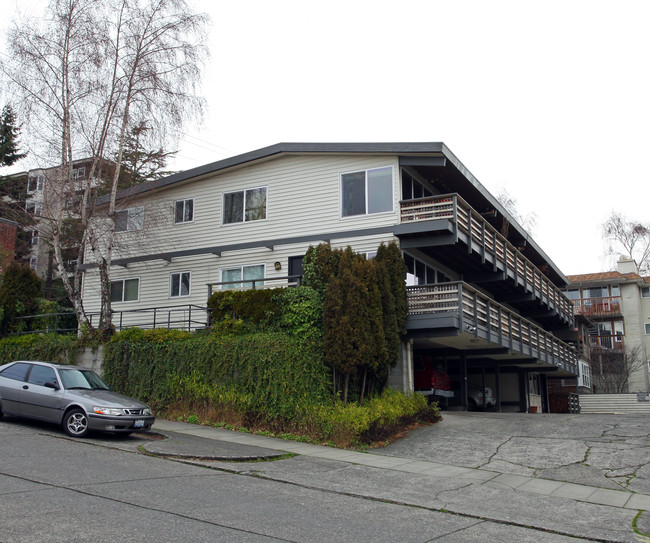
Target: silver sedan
(72, 396)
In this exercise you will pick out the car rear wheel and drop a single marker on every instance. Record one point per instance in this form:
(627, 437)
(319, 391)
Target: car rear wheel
(75, 423)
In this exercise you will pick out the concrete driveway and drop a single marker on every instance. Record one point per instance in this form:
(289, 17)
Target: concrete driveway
(604, 451)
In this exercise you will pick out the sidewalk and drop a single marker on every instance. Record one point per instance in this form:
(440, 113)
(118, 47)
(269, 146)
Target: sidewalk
(207, 443)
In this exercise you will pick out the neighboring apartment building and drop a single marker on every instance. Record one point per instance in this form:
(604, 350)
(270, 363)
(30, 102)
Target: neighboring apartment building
(618, 305)
(43, 196)
(483, 307)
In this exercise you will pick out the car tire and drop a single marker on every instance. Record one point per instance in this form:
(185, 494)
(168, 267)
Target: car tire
(471, 405)
(75, 423)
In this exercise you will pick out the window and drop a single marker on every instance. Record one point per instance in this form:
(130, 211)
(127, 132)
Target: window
(573, 294)
(645, 292)
(16, 371)
(41, 375)
(647, 329)
(244, 205)
(35, 183)
(179, 284)
(79, 173)
(34, 208)
(127, 220)
(245, 273)
(184, 211)
(34, 237)
(125, 290)
(368, 191)
(419, 273)
(33, 263)
(412, 188)
(595, 292)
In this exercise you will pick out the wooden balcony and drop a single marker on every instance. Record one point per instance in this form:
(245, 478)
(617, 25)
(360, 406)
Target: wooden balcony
(613, 343)
(459, 305)
(481, 238)
(598, 307)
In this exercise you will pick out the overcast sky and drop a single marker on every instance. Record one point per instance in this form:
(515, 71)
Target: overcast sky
(545, 100)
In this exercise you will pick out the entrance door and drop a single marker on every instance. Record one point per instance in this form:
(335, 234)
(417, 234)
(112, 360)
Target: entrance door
(295, 269)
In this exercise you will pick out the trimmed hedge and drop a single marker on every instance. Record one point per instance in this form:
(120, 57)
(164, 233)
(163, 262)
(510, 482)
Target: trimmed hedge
(62, 349)
(280, 374)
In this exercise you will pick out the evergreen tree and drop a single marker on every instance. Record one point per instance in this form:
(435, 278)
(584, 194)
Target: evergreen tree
(140, 164)
(391, 256)
(9, 133)
(320, 265)
(19, 293)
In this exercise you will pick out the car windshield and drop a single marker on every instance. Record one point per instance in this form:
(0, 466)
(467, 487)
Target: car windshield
(87, 379)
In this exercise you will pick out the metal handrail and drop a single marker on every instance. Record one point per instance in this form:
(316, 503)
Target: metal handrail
(160, 317)
(262, 282)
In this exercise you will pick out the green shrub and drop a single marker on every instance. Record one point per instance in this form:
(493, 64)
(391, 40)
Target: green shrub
(62, 349)
(250, 305)
(282, 374)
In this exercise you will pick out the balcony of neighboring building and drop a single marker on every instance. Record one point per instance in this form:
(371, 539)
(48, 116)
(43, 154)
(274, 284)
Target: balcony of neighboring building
(609, 306)
(451, 232)
(610, 343)
(455, 316)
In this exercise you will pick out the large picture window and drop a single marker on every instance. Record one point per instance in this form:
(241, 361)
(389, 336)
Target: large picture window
(243, 273)
(184, 211)
(366, 192)
(179, 284)
(244, 205)
(125, 290)
(127, 220)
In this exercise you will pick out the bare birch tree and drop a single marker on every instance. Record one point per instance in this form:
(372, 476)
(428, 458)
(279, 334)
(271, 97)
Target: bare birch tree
(87, 75)
(628, 238)
(611, 371)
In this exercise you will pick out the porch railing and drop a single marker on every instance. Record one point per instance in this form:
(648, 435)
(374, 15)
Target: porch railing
(607, 343)
(185, 317)
(610, 305)
(261, 282)
(490, 242)
(492, 321)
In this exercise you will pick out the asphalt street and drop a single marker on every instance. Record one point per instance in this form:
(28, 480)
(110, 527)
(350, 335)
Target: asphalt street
(472, 477)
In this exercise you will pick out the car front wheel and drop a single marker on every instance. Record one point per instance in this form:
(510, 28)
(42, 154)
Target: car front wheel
(75, 423)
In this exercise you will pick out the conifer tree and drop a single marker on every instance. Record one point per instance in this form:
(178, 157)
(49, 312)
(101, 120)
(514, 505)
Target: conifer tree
(19, 293)
(9, 133)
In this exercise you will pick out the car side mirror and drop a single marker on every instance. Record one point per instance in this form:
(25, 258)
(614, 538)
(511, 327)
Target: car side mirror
(51, 385)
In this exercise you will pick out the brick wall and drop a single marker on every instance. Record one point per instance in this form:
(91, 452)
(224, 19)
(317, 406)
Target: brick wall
(8, 230)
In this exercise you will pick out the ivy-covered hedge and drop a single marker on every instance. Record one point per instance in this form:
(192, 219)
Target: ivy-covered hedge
(266, 381)
(252, 305)
(280, 375)
(46, 347)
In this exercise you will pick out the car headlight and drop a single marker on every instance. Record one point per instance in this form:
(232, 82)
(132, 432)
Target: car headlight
(146, 411)
(108, 411)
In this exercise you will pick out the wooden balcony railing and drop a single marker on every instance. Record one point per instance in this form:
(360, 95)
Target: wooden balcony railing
(492, 321)
(607, 343)
(491, 243)
(596, 307)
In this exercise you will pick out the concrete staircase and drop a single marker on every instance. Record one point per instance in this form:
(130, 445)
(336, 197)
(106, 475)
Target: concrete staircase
(612, 403)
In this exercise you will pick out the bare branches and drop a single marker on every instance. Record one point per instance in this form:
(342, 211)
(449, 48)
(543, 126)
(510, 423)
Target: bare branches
(88, 75)
(628, 238)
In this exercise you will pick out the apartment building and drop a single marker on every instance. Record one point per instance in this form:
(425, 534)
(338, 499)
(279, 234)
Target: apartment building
(617, 304)
(44, 194)
(486, 302)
